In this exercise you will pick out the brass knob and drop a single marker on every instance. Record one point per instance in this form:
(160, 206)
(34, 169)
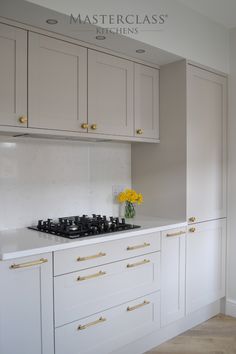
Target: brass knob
(23, 119)
(192, 219)
(84, 126)
(139, 131)
(94, 126)
(192, 229)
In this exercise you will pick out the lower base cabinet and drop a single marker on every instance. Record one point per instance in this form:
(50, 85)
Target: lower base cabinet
(205, 264)
(26, 306)
(106, 331)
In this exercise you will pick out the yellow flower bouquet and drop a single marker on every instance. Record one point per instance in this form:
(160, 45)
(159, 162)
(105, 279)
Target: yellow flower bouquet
(130, 197)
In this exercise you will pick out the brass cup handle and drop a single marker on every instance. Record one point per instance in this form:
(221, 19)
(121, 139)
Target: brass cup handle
(23, 119)
(192, 219)
(192, 229)
(139, 131)
(94, 126)
(84, 126)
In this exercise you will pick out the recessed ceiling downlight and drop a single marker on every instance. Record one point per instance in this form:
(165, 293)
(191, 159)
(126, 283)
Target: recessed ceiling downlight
(51, 21)
(100, 38)
(140, 51)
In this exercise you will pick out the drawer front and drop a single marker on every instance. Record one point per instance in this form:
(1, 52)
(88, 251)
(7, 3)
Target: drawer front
(80, 294)
(83, 257)
(108, 330)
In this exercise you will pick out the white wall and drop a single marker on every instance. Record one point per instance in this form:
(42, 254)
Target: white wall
(231, 295)
(186, 32)
(41, 179)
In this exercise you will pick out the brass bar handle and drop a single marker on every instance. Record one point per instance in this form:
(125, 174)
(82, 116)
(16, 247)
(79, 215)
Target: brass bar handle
(28, 264)
(132, 265)
(132, 308)
(192, 229)
(132, 248)
(179, 233)
(100, 320)
(95, 275)
(87, 258)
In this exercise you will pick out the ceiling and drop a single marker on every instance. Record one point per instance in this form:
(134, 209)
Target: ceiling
(220, 11)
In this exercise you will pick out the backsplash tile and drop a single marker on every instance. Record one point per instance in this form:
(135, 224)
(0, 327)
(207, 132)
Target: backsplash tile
(50, 178)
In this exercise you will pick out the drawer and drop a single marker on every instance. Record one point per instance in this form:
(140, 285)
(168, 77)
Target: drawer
(181, 231)
(83, 257)
(108, 330)
(80, 294)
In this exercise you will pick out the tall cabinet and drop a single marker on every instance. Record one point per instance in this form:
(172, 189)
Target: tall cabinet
(185, 176)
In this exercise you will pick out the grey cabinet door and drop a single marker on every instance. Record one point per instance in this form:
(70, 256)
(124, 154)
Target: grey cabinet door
(110, 94)
(146, 102)
(57, 84)
(206, 145)
(13, 75)
(26, 306)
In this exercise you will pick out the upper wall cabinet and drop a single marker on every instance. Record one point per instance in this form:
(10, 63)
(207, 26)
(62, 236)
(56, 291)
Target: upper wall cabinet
(206, 145)
(146, 104)
(110, 94)
(57, 84)
(13, 74)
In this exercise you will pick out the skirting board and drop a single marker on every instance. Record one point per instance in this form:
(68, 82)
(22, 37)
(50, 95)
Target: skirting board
(162, 335)
(230, 308)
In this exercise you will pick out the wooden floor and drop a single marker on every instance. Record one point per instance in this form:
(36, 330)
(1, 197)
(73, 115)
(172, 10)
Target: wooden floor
(216, 336)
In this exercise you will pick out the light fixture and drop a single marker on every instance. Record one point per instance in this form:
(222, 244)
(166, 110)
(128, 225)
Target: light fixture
(140, 51)
(100, 38)
(51, 21)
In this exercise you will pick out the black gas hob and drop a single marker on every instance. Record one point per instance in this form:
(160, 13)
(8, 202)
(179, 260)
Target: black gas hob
(82, 226)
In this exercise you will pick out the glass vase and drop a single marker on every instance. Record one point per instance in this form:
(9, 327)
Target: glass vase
(129, 210)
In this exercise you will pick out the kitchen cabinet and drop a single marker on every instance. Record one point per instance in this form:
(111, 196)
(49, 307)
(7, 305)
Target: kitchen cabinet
(13, 73)
(173, 275)
(26, 306)
(57, 79)
(205, 264)
(110, 94)
(146, 102)
(206, 145)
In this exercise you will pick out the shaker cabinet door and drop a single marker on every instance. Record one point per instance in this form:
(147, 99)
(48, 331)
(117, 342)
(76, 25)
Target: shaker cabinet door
(206, 145)
(26, 306)
(205, 264)
(13, 76)
(173, 275)
(146, 102)
(57, 84)
(110, 94)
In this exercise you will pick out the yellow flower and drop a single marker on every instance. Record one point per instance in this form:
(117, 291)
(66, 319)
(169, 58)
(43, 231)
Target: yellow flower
(130, 195)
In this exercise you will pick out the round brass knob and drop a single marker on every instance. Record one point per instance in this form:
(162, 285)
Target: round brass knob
(192, 219)
(94, 126)
(84, 126)
(192, 229)
(23, 119)
(139, 131)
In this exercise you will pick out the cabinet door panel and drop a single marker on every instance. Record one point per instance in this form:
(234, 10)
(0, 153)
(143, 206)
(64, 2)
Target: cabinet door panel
(206, 152)
(173, 275)
(26, 307)
(13, 75)
(146, 102)
(110, 94)
(205, 266)
(57, 84)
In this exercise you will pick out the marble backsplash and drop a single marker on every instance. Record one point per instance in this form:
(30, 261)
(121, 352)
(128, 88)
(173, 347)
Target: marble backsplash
(42, 178)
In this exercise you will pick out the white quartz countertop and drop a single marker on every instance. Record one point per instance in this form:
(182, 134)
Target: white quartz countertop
(24, 242)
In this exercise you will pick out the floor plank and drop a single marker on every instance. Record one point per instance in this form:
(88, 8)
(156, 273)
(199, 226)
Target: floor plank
(215, 336)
